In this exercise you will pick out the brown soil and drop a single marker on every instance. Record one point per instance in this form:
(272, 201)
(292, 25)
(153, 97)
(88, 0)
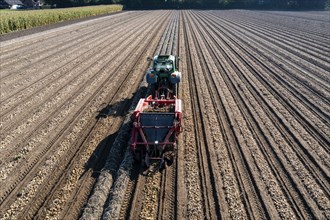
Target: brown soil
(255, 144)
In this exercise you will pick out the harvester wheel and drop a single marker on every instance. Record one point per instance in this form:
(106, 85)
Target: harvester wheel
(169, 158)
(137, 156)
(162, 163)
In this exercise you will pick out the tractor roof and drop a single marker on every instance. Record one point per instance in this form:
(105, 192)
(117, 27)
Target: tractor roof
(13, 2)
(161, 58)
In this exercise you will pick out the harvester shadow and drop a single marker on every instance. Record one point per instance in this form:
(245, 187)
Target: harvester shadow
(98, 159)
(97, 162)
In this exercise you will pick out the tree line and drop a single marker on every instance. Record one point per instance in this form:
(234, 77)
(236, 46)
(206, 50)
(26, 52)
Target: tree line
(202, 4)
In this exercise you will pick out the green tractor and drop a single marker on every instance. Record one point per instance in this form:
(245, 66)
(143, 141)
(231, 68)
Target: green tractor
(164, 77)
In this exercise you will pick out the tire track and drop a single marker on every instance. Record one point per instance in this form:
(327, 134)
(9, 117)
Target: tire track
(23, 82)
(12, 48)
(105, 51)
(240, 68)
(54, 111)
(250, 208)
(98, 91)
(314, 108)
(146, 191)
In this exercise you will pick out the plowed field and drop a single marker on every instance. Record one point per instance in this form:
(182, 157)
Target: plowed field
(256, 139)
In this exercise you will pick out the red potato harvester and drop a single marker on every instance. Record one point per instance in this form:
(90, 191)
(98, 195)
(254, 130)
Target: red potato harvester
(157, 119)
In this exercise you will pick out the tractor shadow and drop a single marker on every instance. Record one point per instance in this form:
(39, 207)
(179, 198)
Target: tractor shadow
(114, 110)
(120, 108)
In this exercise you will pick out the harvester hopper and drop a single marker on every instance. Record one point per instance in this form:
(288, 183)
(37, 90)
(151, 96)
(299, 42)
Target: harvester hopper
(157, 123)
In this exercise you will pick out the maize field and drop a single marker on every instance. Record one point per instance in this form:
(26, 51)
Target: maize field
(12, 20)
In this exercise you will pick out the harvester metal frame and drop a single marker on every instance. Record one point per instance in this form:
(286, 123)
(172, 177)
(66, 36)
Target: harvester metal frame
(140, 145)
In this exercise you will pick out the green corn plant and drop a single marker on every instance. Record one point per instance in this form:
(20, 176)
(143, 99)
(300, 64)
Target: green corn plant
(18, 20)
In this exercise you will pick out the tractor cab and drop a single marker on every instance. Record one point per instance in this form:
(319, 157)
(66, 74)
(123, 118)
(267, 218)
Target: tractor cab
(164, 76)
(164, 64)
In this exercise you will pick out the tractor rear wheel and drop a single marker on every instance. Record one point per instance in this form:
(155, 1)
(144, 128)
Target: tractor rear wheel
(175, 90)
